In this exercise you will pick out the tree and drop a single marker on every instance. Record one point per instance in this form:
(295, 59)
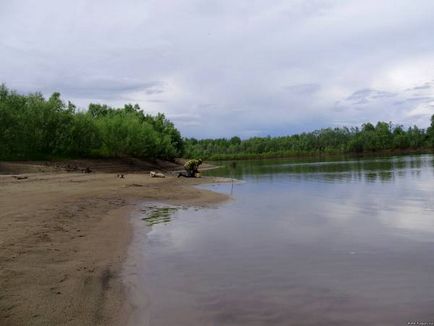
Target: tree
(32, 127)
(430, 133)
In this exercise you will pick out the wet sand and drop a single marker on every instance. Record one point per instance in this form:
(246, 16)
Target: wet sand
(64, 238)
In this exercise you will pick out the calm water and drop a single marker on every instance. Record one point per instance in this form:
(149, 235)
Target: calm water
(314, 243)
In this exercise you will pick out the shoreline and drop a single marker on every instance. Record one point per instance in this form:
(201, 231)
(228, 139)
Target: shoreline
(135, 309)
(317, 155)
(64, 239)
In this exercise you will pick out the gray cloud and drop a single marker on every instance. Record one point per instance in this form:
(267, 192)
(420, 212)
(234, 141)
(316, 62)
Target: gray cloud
(424, 86)
(412, 100)
(364, 96)
(219, 68)
(106, 87)
(301, 89)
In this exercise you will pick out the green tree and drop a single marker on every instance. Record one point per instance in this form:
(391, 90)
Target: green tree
(32, 127)
(430, 133)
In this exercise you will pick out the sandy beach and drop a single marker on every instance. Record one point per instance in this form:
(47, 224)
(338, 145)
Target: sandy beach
(64, 237)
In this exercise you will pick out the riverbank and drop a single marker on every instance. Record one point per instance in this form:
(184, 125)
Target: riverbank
(316, 155)
(64, 237)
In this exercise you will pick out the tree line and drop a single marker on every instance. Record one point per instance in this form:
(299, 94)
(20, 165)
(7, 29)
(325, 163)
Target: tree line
(369, 138)
(33, 127)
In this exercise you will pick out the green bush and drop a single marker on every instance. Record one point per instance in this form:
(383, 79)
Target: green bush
(32, 127)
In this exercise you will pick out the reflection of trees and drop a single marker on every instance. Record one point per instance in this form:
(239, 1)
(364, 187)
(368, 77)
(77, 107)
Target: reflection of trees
(370, 170)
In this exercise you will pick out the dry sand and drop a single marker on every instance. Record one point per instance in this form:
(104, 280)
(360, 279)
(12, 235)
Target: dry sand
(64, 237)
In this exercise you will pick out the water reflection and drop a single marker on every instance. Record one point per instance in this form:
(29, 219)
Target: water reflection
(368, 170)
(156, 214)
(325, 243)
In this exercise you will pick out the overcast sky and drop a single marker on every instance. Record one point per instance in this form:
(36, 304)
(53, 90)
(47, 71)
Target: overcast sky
(224, 68)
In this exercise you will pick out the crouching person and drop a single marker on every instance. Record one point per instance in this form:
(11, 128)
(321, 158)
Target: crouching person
(192, 168)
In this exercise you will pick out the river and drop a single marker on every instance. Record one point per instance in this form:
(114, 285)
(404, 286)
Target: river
(336, 242)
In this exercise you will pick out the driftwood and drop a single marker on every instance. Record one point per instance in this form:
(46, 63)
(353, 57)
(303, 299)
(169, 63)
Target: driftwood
(18, 177)
(156, 174)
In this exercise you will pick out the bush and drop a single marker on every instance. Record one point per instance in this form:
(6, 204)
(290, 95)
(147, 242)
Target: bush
(32, 127)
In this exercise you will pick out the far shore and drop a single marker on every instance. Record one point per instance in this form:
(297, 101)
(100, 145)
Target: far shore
(64, 237)
(318, 155)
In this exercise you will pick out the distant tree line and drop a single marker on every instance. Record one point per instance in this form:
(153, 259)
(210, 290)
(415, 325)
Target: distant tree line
(32, 127)
(369, 138)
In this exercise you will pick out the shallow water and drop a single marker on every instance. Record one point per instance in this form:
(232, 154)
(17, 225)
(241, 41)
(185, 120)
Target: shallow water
(314, 243)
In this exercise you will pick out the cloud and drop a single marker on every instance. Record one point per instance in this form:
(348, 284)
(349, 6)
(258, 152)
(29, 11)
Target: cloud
(424, 86)
(301, 89)
(107, 87)
(364, 96)
(220, 68)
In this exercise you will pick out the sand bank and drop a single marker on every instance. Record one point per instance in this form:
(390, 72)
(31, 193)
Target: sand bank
(64, 237)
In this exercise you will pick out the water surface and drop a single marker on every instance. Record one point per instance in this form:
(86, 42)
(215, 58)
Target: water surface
(302, 243)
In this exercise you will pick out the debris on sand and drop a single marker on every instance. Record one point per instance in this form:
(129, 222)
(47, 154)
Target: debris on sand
(20, 177)
(156, 174)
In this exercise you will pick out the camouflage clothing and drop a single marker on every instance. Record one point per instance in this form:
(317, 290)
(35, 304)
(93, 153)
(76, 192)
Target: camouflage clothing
(192, 166)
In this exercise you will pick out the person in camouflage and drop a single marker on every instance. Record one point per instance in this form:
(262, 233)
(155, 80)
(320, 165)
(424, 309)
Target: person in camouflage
(191, 167)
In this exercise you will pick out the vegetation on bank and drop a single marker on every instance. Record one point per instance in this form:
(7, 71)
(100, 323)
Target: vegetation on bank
(32, 127)
(383, 137)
